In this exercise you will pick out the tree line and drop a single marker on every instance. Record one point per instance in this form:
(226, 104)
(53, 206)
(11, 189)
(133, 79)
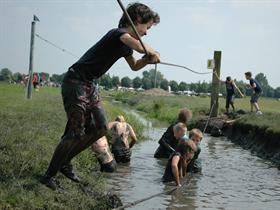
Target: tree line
(147, 81)
(7, 75)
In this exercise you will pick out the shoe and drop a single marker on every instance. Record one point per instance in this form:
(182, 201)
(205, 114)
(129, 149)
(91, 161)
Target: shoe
(49, 182)
(259, 113)
(67, 170)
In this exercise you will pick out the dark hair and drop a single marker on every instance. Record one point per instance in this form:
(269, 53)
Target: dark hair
(184, 115)
(228, 78)
(186, 147)
(248, 73)
(139, 13)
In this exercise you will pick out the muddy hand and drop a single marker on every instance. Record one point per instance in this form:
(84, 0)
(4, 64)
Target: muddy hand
(153, 58)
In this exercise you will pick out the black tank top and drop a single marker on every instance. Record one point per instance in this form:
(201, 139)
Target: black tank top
(168, 175)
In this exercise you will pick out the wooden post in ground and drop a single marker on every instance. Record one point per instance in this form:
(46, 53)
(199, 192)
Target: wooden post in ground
(30, 72)
(216, 84)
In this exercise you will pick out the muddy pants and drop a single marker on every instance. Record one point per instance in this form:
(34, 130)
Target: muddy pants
(121, 153)
(86, 123)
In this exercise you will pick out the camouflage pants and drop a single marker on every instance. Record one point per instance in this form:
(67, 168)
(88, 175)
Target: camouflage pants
(86, 123)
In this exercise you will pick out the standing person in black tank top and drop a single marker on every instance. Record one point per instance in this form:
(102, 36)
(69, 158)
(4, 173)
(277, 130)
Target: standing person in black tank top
(230, 89)
(86, 117)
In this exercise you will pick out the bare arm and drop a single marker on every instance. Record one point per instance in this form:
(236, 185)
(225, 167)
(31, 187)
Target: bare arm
(132, 136)
(175, 170)
(235, 86)
(253, 86)
(135, 44)
(111, 124)
(152, 57)
(136, 65)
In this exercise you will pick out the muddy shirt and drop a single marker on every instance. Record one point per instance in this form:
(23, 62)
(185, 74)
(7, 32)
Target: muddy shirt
(168, 174)
(167, 139)
(121, 131)
(99, 58)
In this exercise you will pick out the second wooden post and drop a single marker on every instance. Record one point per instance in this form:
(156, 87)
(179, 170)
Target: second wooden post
(216, 84)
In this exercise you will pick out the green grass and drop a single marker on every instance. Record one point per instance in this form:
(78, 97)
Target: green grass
(166, 108)
(30, 131)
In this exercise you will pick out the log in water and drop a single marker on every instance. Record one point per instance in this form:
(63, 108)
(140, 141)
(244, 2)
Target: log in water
(231, 179)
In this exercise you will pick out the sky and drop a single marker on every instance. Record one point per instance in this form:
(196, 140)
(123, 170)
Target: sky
(247, 33)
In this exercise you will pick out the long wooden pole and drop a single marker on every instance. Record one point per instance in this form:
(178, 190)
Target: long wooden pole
(30, 72)
(216, 84)
(133, 26)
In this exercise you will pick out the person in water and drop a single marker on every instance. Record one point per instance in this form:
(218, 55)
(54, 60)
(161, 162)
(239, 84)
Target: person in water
(178, 161)
(230, 89)
(194, 165)
(168, 142)
(104, 156)
(121, 132)
(86, 117)
(256, 93)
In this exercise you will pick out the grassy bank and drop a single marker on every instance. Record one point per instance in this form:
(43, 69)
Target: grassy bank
(165, 108)
(30, 130)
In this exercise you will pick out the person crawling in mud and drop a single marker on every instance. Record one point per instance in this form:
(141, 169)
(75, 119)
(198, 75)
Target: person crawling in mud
(230, 89)
(178, 162)
(194, 165)
(169, 141)
(121, 132)
(86, 117)
(104, 156)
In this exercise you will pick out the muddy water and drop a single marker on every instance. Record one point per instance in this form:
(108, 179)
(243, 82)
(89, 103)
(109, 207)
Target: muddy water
(231, 179)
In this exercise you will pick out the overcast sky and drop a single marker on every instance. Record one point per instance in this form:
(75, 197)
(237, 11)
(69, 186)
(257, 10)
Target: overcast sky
(247, 33)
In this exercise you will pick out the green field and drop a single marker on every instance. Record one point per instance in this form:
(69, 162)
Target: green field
(166, 108)
(30, 130)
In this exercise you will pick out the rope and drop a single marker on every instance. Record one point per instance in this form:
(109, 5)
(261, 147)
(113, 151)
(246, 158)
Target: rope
(131, 204)
(184, 67)
(207, 122)
(56, 46)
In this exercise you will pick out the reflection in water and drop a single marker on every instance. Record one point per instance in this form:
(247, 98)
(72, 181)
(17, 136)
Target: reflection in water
(231, 179)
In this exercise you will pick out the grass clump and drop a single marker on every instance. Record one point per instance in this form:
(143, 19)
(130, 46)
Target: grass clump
(30, 131)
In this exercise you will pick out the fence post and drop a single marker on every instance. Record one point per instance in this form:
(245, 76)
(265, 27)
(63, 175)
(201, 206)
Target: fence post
(216, 84)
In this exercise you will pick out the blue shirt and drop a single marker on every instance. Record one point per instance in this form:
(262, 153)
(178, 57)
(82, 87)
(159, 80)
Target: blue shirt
(100, 57)
(258, 88)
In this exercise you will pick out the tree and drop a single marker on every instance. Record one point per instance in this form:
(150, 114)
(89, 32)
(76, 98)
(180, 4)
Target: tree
(261, 78)
(115, 81)
(164, 84)
(57, 78)
(137, 82)
(269, 91)
(44, 76)
(277, 92)
(202, 87)
(174, 86)
(106, 81)
(6, 74)
(126, 82)
(146, 83)
(17, 77)
(193, 87)
(183, 86)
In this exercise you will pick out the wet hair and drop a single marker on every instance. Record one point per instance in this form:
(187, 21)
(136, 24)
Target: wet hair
(195, 132)
(184, 115)
(228, 78)
(179, 127)
(186, 147)
(120, 118)
(248, 73)
(139, 13)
